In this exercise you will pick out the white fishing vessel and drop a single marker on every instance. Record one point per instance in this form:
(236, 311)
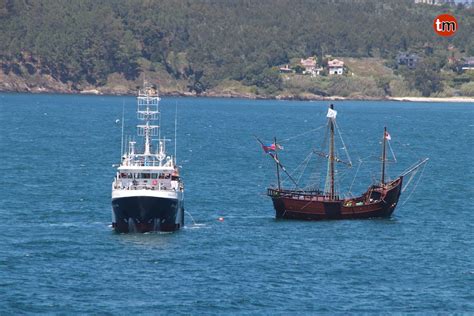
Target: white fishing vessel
(147, 192)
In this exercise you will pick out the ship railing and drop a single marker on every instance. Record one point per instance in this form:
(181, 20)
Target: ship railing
(277, 192)
(144, 187)
(313, 195)
(143, 163)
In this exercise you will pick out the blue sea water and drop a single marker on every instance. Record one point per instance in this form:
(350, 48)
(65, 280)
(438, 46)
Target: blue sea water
(58, 253)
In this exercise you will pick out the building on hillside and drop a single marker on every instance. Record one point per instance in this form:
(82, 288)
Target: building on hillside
(336, 67)
(309, 66)
(308, 63)
(467, 64)
(452, 60)
(466, 3)
(286, 69)
(436, 2)
(317, 71)
(408, 59)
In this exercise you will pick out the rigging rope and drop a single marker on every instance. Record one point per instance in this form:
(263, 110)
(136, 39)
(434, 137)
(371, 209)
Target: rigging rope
(355, 176)
(307, 159)
(410, 179)
(416, 185)
(391, 150)
(293, 137)
(406, 147)
(343, 144)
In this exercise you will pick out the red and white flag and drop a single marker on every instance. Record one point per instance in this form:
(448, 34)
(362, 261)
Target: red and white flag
(387, 136)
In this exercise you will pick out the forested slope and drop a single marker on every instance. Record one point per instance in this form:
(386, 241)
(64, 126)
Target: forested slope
(204, 43)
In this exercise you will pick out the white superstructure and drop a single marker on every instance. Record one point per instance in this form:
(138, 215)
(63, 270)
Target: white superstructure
(150, 172)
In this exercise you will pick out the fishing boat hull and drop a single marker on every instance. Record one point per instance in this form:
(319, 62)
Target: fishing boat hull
(147, 213)
(377, 202)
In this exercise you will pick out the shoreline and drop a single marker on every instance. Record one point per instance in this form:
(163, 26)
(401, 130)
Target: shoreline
(430, 99)
(234, 95)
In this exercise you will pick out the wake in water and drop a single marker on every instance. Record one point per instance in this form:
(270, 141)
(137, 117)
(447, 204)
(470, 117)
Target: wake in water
(194, 225)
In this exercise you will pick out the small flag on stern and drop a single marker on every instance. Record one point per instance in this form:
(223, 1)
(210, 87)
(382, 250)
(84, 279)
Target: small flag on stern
(387, 136)
(331, 113)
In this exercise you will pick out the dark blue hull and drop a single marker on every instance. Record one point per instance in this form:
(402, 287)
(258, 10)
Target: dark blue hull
(143, 214)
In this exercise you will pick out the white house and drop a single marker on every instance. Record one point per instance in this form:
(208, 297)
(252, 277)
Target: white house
(336, 67)
(309, 66)
(468, 64)
(286, 69)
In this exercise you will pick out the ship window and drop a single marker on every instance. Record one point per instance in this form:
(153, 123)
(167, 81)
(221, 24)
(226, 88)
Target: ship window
(145, 175)
(154, 175)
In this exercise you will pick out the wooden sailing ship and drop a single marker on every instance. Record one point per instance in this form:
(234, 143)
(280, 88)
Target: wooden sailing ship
(380, 200)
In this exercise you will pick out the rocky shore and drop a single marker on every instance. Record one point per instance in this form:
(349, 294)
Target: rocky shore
(47, 84)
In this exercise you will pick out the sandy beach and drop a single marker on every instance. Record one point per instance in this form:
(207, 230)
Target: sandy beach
(428, 99)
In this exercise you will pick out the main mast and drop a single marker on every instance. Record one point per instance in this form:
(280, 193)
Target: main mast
(332, 192)
(148, 112)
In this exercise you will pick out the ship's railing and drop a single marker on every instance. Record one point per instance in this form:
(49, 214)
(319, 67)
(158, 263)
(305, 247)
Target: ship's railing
(277, 192)
(153, 161)
(302, 195)
(144, 187)
(117, 184)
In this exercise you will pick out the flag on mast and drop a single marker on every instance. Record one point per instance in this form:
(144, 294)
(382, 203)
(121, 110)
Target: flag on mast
(387, 136)
(269, 148)
(331, 113)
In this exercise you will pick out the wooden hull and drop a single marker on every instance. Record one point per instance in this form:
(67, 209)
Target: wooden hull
(376, 202)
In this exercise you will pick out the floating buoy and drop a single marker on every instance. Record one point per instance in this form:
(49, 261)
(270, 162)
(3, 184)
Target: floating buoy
(117, 121)
(220, 219)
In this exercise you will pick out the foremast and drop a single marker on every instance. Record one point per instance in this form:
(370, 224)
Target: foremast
(277, 163)
(384, 155)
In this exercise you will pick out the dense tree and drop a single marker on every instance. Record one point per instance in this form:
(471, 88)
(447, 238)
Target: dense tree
(425, 78)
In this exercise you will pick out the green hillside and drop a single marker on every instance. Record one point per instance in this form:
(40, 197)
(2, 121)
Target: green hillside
(199, 46)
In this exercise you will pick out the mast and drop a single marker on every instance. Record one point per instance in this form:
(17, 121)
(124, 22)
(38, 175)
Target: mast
(277, 164)
(331, 156)
(384, 154)
(148, 112)
(121, 145)
(175, 130)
